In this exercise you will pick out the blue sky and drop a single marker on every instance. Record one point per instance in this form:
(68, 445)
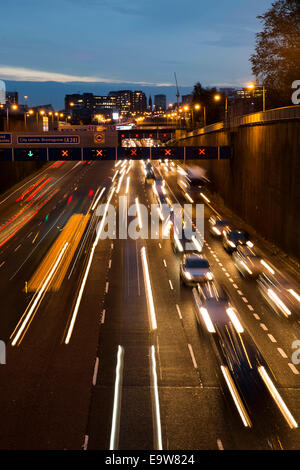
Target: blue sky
(140, 42)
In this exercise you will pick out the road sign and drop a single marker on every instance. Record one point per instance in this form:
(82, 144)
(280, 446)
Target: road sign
(99, 138)
(51, 139)
(30, 154)
(5, 138)
(64, 153)
(112, 153)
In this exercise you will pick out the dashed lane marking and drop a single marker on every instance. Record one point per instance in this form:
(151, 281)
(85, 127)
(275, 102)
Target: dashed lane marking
(192, 356)
(281, 351)
(293, 368)
(179, 312)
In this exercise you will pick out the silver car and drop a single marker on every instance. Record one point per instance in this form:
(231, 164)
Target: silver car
(194, 268)
(247, 261)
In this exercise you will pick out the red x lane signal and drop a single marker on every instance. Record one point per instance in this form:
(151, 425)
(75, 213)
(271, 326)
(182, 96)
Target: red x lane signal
(65, 153)
(133, 152)
(201, 152)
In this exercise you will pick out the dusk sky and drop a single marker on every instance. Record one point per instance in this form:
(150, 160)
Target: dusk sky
(139, 41)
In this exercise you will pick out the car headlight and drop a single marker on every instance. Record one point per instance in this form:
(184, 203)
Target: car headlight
(209, 276)
(233, 245)
(188, 276)
(216, 231)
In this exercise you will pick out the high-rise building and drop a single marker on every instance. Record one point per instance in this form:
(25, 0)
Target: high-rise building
(150, 104)
(160, 102)
(123, 100)
(139, 101)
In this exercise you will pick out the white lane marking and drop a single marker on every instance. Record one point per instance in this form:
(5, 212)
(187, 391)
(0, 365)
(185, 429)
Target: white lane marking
(223, 269)
(250, 307)
(281, 351)
(165, 264)
(19, 246)
(111, 246)
(257, 317)
(103, 316)
(29, 235)
(96, 371)
(150, 301)
(227, 274)
(231, 280)
(109, 264)
(179, 312)
(159, 245)
(86, 441)
(3, 262)
(220, 444)
(240, 292)
(192, 356)
(106, 287)
(272, 338)
(158, 433)
(115, 425)
(264, 327)
(293, 368)
(171, 285)
(235, 286)
(245, 300)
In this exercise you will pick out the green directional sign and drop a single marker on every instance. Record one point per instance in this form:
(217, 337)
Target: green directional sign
(30, 153)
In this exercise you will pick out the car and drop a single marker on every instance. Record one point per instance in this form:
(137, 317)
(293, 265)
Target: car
(217, 225)
(280, 295)
(247, 261)
(233, 238)
(194, 268)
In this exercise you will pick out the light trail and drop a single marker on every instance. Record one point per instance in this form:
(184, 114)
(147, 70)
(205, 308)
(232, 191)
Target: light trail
(149, 294)
(158, 434)
(115, 425)
(37, 298)
(81, 290)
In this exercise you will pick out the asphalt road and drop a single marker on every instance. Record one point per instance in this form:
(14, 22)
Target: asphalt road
(92, 364)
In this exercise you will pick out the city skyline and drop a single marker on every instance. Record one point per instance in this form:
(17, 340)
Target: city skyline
(129, 45)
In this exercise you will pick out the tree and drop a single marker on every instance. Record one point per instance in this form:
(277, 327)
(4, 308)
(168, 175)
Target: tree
(205, 97)
(276, 61)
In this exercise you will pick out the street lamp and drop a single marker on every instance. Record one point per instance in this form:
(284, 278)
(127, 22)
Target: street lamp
(252, 86)
(218, 98)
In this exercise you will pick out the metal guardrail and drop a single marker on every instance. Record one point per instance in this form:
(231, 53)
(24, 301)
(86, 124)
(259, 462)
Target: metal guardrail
(277, 114)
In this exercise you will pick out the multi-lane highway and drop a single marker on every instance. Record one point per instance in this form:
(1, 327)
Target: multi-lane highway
(103, 347)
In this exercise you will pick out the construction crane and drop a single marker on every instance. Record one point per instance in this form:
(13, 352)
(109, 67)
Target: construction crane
(177, 94)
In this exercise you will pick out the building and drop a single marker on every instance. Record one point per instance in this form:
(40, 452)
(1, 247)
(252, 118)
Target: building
(73, 100)
(123, 100)
(104, 104)
(186, 99)
(150, 104)
(12, 97)
(160, 102)
(139, 102)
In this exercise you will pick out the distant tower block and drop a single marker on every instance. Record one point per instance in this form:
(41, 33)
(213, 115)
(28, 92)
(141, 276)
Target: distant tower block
(2, 92)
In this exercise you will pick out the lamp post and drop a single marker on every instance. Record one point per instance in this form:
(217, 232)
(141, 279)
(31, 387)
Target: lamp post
(196, 107)
(252, 86)
(14, 107)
